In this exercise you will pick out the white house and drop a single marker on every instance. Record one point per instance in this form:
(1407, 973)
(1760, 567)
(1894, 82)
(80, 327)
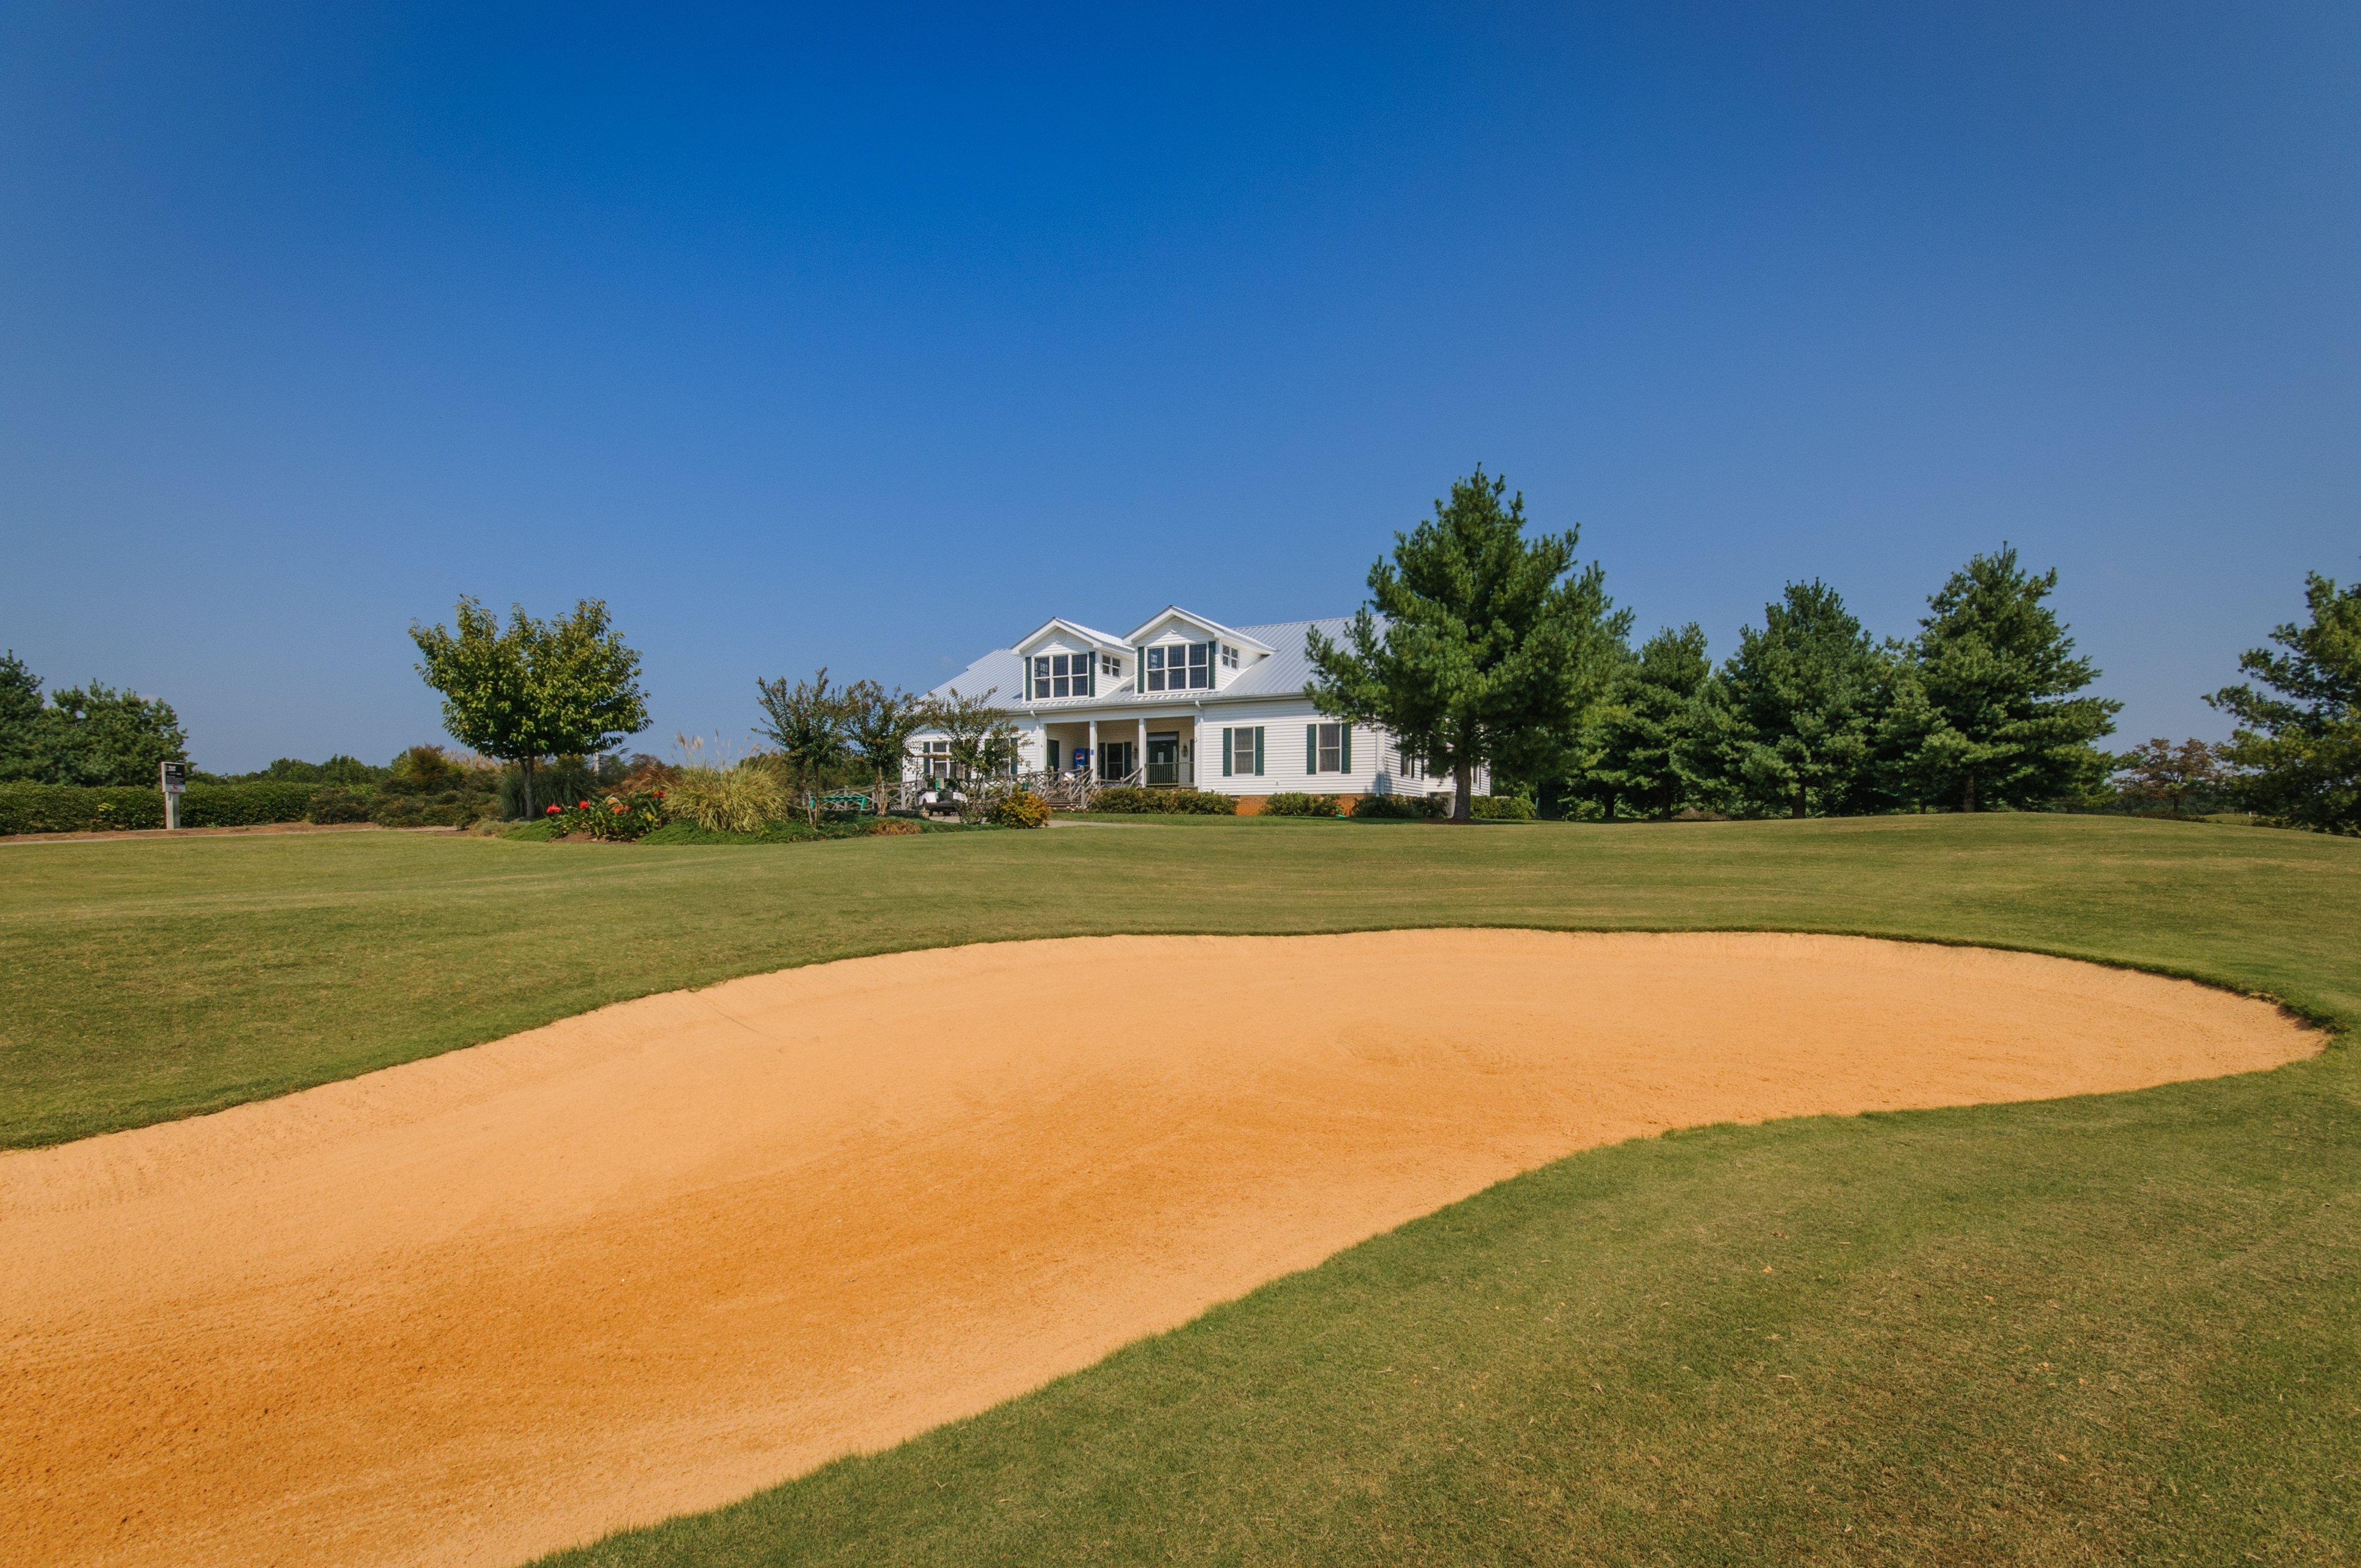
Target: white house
(1180, 700)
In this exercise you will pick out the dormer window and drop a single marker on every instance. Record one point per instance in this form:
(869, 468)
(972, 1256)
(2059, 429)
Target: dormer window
(1110, 666)
(1180, 667)
(1229, 657)
(1061, 675)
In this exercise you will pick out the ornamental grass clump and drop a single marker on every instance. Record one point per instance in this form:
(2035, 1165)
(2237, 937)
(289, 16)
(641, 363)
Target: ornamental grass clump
(746, 799)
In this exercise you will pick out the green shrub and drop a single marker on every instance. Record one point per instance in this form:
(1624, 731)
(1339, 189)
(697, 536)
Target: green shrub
(78, 808)
(68, 809)
(1294, 803)
(1164, 802)
(338, 802)
(246, 805)
(1402, 807)
(1020, 809)
(560, 781)
(1500, 808)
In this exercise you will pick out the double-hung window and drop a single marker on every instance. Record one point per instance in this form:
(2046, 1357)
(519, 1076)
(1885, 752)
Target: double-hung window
(1061, 675)
(1412, 766)
(1327, 748)
(934, 759)
(1242, 752)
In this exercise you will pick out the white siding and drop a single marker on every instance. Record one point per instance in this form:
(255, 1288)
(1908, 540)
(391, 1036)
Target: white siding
(1375, 769)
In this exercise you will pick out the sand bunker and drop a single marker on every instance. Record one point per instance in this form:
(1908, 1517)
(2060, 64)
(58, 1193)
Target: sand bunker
(476, 1308)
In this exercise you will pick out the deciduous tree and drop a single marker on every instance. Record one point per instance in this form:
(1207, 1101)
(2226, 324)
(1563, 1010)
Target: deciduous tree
(982, 738)
(532, 689)
(879, 724)
(2168, 776)
(807, 723)
(2299, 741)
(1477, 644)
(23, 753)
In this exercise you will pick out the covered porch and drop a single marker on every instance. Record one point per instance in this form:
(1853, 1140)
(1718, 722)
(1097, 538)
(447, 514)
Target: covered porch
(1158, 750)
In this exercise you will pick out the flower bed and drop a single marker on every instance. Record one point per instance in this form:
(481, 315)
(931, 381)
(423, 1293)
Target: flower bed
(622, 817)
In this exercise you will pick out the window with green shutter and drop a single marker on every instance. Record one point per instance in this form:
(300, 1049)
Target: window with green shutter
(1242, 751)
(1328, 748)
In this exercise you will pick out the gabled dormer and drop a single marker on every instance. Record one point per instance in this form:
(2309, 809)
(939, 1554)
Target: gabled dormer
(1177, 650)
(1064, 659)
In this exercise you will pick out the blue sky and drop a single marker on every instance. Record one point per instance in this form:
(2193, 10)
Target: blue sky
(872, 338)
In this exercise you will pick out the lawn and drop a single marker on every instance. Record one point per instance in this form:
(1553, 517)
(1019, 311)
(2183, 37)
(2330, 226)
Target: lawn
(2104, 1330)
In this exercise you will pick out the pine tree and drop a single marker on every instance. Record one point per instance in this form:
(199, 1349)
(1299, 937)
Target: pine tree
(2002, 724)
(1487, 651)
(1643, 750)
(2301, 750)
(1793, 720)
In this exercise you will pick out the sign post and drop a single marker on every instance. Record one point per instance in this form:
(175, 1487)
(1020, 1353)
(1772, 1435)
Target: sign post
(176, 779)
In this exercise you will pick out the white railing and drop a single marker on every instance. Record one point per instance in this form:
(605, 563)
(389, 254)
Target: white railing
(1064, 790)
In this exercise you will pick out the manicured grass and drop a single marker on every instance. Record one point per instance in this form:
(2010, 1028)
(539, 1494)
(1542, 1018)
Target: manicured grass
(151, 980)
(2117, 1329)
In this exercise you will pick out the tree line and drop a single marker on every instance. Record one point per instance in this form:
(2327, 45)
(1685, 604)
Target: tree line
(1482, 644)
(89, 734)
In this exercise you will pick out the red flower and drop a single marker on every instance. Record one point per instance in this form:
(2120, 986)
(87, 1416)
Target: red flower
(553, 811)
(582, 805)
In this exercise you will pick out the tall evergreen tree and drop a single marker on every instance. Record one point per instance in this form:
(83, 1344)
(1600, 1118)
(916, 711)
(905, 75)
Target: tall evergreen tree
(1643, 748)
(2300, 749)
(1479, 644)
(1793, 721)
(2003, 724)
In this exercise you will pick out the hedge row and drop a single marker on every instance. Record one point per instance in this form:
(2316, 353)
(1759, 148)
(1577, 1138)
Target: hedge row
(70, 808)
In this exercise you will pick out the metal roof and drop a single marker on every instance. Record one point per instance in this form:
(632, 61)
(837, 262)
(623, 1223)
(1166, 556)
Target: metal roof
(1284, 674)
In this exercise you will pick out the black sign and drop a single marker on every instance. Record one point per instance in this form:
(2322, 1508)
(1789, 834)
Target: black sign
(176, 777)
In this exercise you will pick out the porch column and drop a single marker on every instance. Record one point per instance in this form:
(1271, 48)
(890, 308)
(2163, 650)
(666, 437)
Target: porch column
(1098, 770)
(1139, 756)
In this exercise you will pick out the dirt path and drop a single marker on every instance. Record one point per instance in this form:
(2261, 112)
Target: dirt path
(475, 1307)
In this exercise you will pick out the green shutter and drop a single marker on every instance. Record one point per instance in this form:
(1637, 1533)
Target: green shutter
(1225, 753)
(1258, 751)
(1312, 748)
(1346, 761)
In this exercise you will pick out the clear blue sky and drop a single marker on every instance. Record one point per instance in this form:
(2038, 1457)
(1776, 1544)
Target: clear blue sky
(872, 338)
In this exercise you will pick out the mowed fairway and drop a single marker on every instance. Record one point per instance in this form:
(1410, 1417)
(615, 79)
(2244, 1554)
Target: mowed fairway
(2117, 1327)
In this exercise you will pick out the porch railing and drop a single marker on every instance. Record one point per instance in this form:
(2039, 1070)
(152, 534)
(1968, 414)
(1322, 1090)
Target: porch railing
(1064, 790)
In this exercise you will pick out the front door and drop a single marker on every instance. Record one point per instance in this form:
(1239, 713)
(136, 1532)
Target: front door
(1115, 761)
(1164, 759)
